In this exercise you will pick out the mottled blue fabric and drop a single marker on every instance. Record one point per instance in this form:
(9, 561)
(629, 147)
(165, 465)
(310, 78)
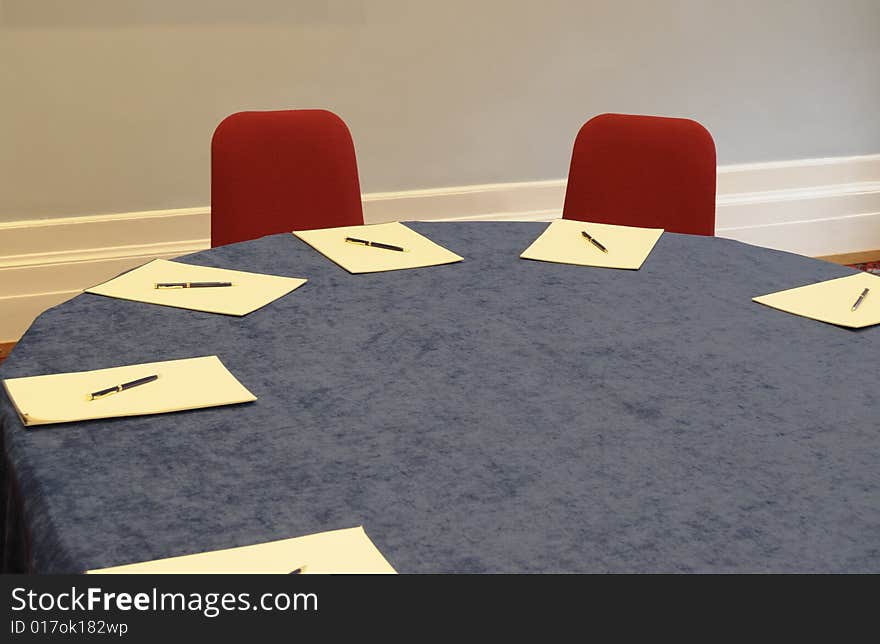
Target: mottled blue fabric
(494, 415)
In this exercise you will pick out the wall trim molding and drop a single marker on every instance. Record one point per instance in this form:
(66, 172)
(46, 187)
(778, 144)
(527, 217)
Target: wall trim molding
(100, 218)
(817, 207)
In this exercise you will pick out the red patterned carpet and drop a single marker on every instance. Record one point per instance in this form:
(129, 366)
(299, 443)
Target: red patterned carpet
(870, 267)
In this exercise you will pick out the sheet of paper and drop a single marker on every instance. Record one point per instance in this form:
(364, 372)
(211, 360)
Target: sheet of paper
(249, 291)
(564, 243)
(192, 383)
(419, 251)
(345, 551)
(831, 301)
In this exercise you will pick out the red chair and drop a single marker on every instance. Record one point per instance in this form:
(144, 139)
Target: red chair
(648, 171)
(278, 171)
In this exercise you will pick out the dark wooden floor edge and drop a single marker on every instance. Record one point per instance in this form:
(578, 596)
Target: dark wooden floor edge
(863, 257)
(5, 348)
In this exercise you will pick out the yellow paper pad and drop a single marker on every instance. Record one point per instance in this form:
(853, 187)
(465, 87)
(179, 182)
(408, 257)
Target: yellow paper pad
(249, 291)
(831, 301)
(193, 383)
(562, 242)
(356, 258)
(339, 551)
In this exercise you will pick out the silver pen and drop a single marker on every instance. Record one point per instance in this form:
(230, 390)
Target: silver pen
(859, 301)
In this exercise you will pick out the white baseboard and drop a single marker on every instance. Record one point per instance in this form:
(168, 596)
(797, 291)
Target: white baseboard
(525, 201)
(814, 207)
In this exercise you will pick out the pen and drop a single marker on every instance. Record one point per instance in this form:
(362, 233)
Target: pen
(191, 284)
(593, 241)
(859, 301)
(354, 240)
(297, 571)
(122, 387)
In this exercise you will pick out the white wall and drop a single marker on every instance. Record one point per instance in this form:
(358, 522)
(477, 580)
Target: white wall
(459, 110)
(108, 106)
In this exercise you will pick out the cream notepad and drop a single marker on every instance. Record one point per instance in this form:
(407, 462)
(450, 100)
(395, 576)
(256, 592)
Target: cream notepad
(192, 383)
(419, 251)
(339, 551)
(249, 291)
(563, 242)
(832, 300)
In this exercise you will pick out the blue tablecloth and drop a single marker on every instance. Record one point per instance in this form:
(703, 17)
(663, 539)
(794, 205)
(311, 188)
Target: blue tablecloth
(494, 415)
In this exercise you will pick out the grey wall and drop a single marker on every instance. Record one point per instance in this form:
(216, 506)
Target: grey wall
(109, 105)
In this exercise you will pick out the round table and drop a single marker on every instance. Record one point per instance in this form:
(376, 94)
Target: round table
(493, 415)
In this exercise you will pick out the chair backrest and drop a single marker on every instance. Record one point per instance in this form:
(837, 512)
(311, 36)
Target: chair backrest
(284, 170)
(648, 171)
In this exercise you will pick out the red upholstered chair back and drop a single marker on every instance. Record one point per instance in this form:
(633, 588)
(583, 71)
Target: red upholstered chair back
(646, 171)
(277, 171)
